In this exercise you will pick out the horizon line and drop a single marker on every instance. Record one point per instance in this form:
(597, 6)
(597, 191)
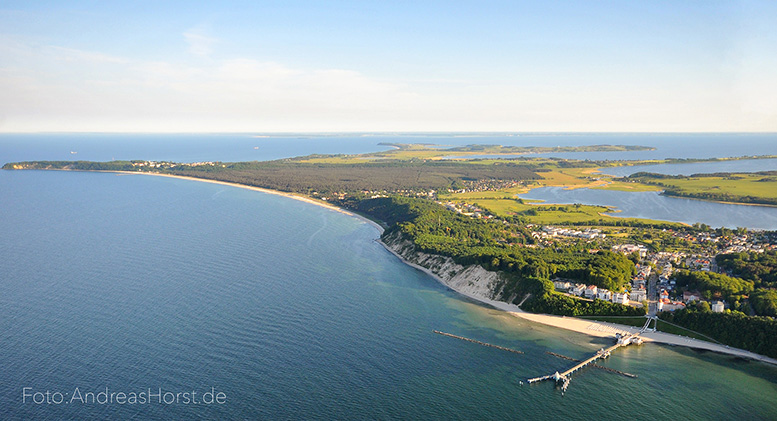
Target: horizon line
(386, 132)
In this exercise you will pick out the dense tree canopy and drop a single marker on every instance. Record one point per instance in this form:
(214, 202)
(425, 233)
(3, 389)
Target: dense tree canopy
(498, 246)
(761, 268)
(757, 334)
(764, 302)
(713, 284)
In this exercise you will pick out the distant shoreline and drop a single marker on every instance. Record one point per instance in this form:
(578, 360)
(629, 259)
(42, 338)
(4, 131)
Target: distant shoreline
(765, 205)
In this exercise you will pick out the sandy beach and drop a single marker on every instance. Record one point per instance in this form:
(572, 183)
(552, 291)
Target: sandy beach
(588, 327)
(294, 196)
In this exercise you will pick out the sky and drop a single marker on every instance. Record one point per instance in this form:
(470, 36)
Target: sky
(377, 66)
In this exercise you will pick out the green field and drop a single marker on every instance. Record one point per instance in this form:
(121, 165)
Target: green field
(502, 204)
(757, 188)
(545, 214)
(736, 185)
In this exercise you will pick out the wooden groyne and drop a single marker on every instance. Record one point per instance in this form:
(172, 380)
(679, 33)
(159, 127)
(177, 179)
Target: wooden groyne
(601, 367)
(478, 342)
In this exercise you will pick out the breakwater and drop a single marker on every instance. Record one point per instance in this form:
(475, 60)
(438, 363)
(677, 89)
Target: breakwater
(474, 341)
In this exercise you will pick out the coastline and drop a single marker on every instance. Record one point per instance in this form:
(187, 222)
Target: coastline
(584, 326)
(295, 196)
(587, 327)
(592, 327)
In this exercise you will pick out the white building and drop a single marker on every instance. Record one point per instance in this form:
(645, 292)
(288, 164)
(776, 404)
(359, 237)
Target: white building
(689, 296)
(604, 294)
(577, 289)
(638, 294)
(590, 291)
(631, 248)
(620, 298)
(644, 270)
(718, 307)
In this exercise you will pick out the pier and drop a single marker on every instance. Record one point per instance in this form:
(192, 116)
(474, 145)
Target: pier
(594, 365)
(622, 340)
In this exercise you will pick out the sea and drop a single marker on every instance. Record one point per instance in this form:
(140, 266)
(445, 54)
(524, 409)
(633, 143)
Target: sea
(142, 297)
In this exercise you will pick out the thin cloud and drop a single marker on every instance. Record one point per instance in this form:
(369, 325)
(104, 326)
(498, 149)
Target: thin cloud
(199, 43)
(72, 54)
(53, 88)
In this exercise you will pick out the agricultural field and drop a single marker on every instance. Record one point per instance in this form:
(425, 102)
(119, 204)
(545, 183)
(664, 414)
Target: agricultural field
(736, 184)
(756, 188)
(536, 213)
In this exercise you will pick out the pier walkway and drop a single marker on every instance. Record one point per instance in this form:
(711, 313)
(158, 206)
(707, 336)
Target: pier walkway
(622, 340)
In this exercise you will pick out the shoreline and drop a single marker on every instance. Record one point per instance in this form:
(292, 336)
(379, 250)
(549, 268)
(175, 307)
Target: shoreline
(766, 205)
(659, 191)
(294, 196)
(588, 327)
(595, 328)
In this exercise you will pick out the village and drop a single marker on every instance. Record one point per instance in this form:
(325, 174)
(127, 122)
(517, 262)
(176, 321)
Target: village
(653, 284)
(167, 165)
(647, 286)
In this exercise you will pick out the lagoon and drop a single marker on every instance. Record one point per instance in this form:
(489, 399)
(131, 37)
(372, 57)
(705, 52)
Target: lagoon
(739, 165)
(653, 205)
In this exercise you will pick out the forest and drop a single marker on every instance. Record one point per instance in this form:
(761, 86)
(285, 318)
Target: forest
(756, 334)
(714, 285)
(298, 177)
(501, 247)
(759, 268)
(74, 165)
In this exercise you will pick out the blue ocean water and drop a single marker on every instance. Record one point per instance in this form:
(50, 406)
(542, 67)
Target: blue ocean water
(133, 283)
(155, 286)
(250, 147)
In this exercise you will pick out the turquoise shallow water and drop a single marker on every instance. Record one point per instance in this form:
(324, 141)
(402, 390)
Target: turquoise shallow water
(292, 311)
